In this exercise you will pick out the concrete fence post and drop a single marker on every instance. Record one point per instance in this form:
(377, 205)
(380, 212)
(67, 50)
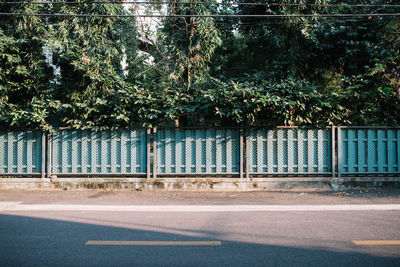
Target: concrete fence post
(333, 152)
(241, 154)
(155, 152)
(338, 181)
(148, 151)
(43, 167)
(247, 154)
(49, 157)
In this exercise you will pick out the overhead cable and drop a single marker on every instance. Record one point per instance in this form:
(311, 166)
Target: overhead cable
(197, 3)
(353, 15)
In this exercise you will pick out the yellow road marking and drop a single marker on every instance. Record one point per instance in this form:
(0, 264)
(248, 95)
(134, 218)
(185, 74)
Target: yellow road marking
(377, 242)
(155, 243)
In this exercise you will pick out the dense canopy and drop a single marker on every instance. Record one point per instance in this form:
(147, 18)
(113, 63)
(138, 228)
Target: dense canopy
(117, 72)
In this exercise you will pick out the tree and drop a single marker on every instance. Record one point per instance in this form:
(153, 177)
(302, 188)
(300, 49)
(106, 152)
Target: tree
(24, 73)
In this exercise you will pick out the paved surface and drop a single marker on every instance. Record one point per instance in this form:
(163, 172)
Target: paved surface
(382, 196)
(247, 238)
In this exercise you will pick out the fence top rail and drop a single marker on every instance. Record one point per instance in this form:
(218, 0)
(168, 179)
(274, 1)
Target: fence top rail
(7, 130)
(99, 130)
(290, 127)
(201, 128)
(369, 127)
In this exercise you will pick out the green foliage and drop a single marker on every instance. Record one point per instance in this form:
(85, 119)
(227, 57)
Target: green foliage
(189, 42)
(24, 73)
(69, 71)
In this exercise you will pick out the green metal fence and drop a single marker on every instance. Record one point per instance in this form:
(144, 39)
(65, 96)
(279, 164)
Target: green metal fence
(21, 153)
(289, 151)
(369, 150)
(99, 152)
(231, 152)
(198, 151)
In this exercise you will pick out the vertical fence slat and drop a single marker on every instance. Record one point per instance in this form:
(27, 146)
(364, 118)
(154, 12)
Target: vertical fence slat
(198, 151)
(64, 152)
(300, 151)
(113, 154)
(320, 153)
(380, 151)
(103, 152)
(143, 151)
(360, 151)
(188, 149)
(390, 149)
(398, 150)
(168, 151)
(290, 142)
(208, 151)
(161, 151)
(94, 146)
(48, 155)
(260, 152)
(249, 154)
(270, 151)
(74, 152)
(84, 152)
(250, 139)
(29, 153)
(38, 151)
(53, 153)
(137, 151)
(10, 141)
(310, 151)
(279, 145)
(178, 151)
(249, 151)
(42, 156)
(229, 137)
(2, 152)
(218, 146)
(340, 146)
(148, 152)
(20, 144)
(371, 151)
(351, 150)
(132, 148)
(124, 152)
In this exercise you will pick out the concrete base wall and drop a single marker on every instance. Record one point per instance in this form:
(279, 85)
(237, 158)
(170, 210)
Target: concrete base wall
(201, 184)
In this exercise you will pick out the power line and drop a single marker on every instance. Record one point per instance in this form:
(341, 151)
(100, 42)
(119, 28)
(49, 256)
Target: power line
(353, 15)
(198, 3)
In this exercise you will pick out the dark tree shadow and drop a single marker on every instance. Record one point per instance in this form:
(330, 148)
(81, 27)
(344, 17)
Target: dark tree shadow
(27, 241)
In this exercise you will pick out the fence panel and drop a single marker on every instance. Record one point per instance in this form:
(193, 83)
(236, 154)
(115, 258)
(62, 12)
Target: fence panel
(20, 153)
(99, 152)
(371, 150)
(290, 151)
(198, 151)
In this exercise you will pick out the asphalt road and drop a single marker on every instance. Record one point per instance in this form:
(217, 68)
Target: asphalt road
(264, 238)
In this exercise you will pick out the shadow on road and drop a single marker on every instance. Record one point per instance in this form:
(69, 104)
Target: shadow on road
(27, 241)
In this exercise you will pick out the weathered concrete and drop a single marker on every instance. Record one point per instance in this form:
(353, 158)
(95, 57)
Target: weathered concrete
(201, 184)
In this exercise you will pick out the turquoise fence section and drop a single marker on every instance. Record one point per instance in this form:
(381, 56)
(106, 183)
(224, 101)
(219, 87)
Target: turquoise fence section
(360, 150)
(369, 151)
(198, 151)
(289, 151)
(20, 152)
(99, 152)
